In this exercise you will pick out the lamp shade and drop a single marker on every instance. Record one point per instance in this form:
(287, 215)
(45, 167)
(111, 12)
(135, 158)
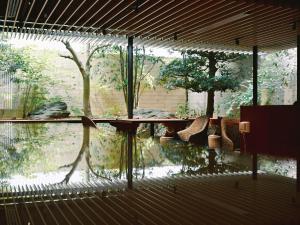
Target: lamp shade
(214, 141)
(244, 127)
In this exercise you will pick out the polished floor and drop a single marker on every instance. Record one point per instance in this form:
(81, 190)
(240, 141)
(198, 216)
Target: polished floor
(211, 199)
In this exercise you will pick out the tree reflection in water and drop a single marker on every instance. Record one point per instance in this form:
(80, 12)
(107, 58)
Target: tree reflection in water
(20, 148)
(35, 152)
(197, 160)
(85, 149)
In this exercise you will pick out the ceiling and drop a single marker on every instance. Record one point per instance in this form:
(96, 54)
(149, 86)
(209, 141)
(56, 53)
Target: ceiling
(180, 24)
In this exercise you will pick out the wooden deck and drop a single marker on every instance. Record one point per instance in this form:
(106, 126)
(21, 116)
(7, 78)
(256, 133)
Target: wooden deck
(96, 120)
(215, 199)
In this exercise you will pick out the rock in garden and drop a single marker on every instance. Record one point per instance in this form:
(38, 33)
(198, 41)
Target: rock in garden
(50, 110)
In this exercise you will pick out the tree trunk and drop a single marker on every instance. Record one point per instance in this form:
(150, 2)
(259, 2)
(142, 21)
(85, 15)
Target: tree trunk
(186, 82)
(123, 75)
(86, 146)
(186, 99)
(86, 96)
(86, 84)
(211, 93)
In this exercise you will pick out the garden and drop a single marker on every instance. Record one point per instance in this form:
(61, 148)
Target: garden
(68, 80)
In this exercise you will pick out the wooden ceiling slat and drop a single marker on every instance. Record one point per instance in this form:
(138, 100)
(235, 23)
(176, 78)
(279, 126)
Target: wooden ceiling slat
(266, 16)
(174, 17)
(267, 29)
(185, 18)
(103, 16)
(146, 11)
(17, 15)
(39, 14)
(168, 13)
(51, 12)
(277, 3)
(109, 25)
(241, 30)
(244, 32)
(268, 32)
(226, 27)
(93, 15)
(220, 11)
(191, 15)
(273, 35)
(83, 14)
(194, 23)
(72, 14)
(5, 17)
(61, 14)
(217, 16)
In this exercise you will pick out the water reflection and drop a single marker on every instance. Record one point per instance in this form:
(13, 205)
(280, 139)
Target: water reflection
(67, 153)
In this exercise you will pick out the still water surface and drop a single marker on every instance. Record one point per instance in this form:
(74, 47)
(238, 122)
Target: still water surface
(66, 153)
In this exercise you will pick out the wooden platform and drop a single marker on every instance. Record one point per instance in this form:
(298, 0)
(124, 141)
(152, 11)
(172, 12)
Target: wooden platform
(97, 120)
(216, 199)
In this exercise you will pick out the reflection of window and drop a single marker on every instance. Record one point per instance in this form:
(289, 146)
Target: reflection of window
(6, 90)
(6, 136)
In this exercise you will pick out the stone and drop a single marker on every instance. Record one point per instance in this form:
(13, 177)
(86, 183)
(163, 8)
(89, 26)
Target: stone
(159, 130)
(52, 110)
(152, 113)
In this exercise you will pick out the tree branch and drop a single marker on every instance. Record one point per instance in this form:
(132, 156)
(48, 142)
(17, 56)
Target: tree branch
(67, 57)
(73, 166)
(75, 57)
(87, 158)
(93, 52)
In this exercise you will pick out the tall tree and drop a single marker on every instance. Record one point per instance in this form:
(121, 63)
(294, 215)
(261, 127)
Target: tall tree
(143, 65)
(200, 71)
(85, 70)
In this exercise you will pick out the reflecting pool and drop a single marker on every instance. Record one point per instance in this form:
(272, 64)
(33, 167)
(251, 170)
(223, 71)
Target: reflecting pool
(69, 153)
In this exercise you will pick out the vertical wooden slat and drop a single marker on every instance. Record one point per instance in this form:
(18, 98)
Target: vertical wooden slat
(45, 190)
(255, 100)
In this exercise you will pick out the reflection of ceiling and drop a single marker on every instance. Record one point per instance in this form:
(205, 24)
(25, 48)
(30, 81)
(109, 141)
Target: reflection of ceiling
(217, 24)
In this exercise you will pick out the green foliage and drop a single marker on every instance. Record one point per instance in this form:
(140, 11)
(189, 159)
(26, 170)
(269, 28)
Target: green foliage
(28, 75)
(76, 111)
(10, 58)
(274, 70)
(113, 111)
(192, 72)
(243, 96)
(183, 111)
(24, 151)
(115, 75)
(274, 73)
(33, 82)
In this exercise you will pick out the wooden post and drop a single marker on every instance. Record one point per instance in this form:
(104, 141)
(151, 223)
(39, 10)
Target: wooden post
(152, 130)
(130, 111)
(130, 78)
(298, 68)
(255, 69)
(129, 159)
(298, 99)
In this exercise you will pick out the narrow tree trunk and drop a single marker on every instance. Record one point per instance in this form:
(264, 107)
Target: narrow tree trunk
(186, 82)
(186, 99)
(86, 85)
(86, 96)
(123, 75)
(210, 103)
(211, 93)
(25, 107)
(86, 146)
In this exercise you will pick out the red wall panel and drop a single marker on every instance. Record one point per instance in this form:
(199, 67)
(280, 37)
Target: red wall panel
(275, 130)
